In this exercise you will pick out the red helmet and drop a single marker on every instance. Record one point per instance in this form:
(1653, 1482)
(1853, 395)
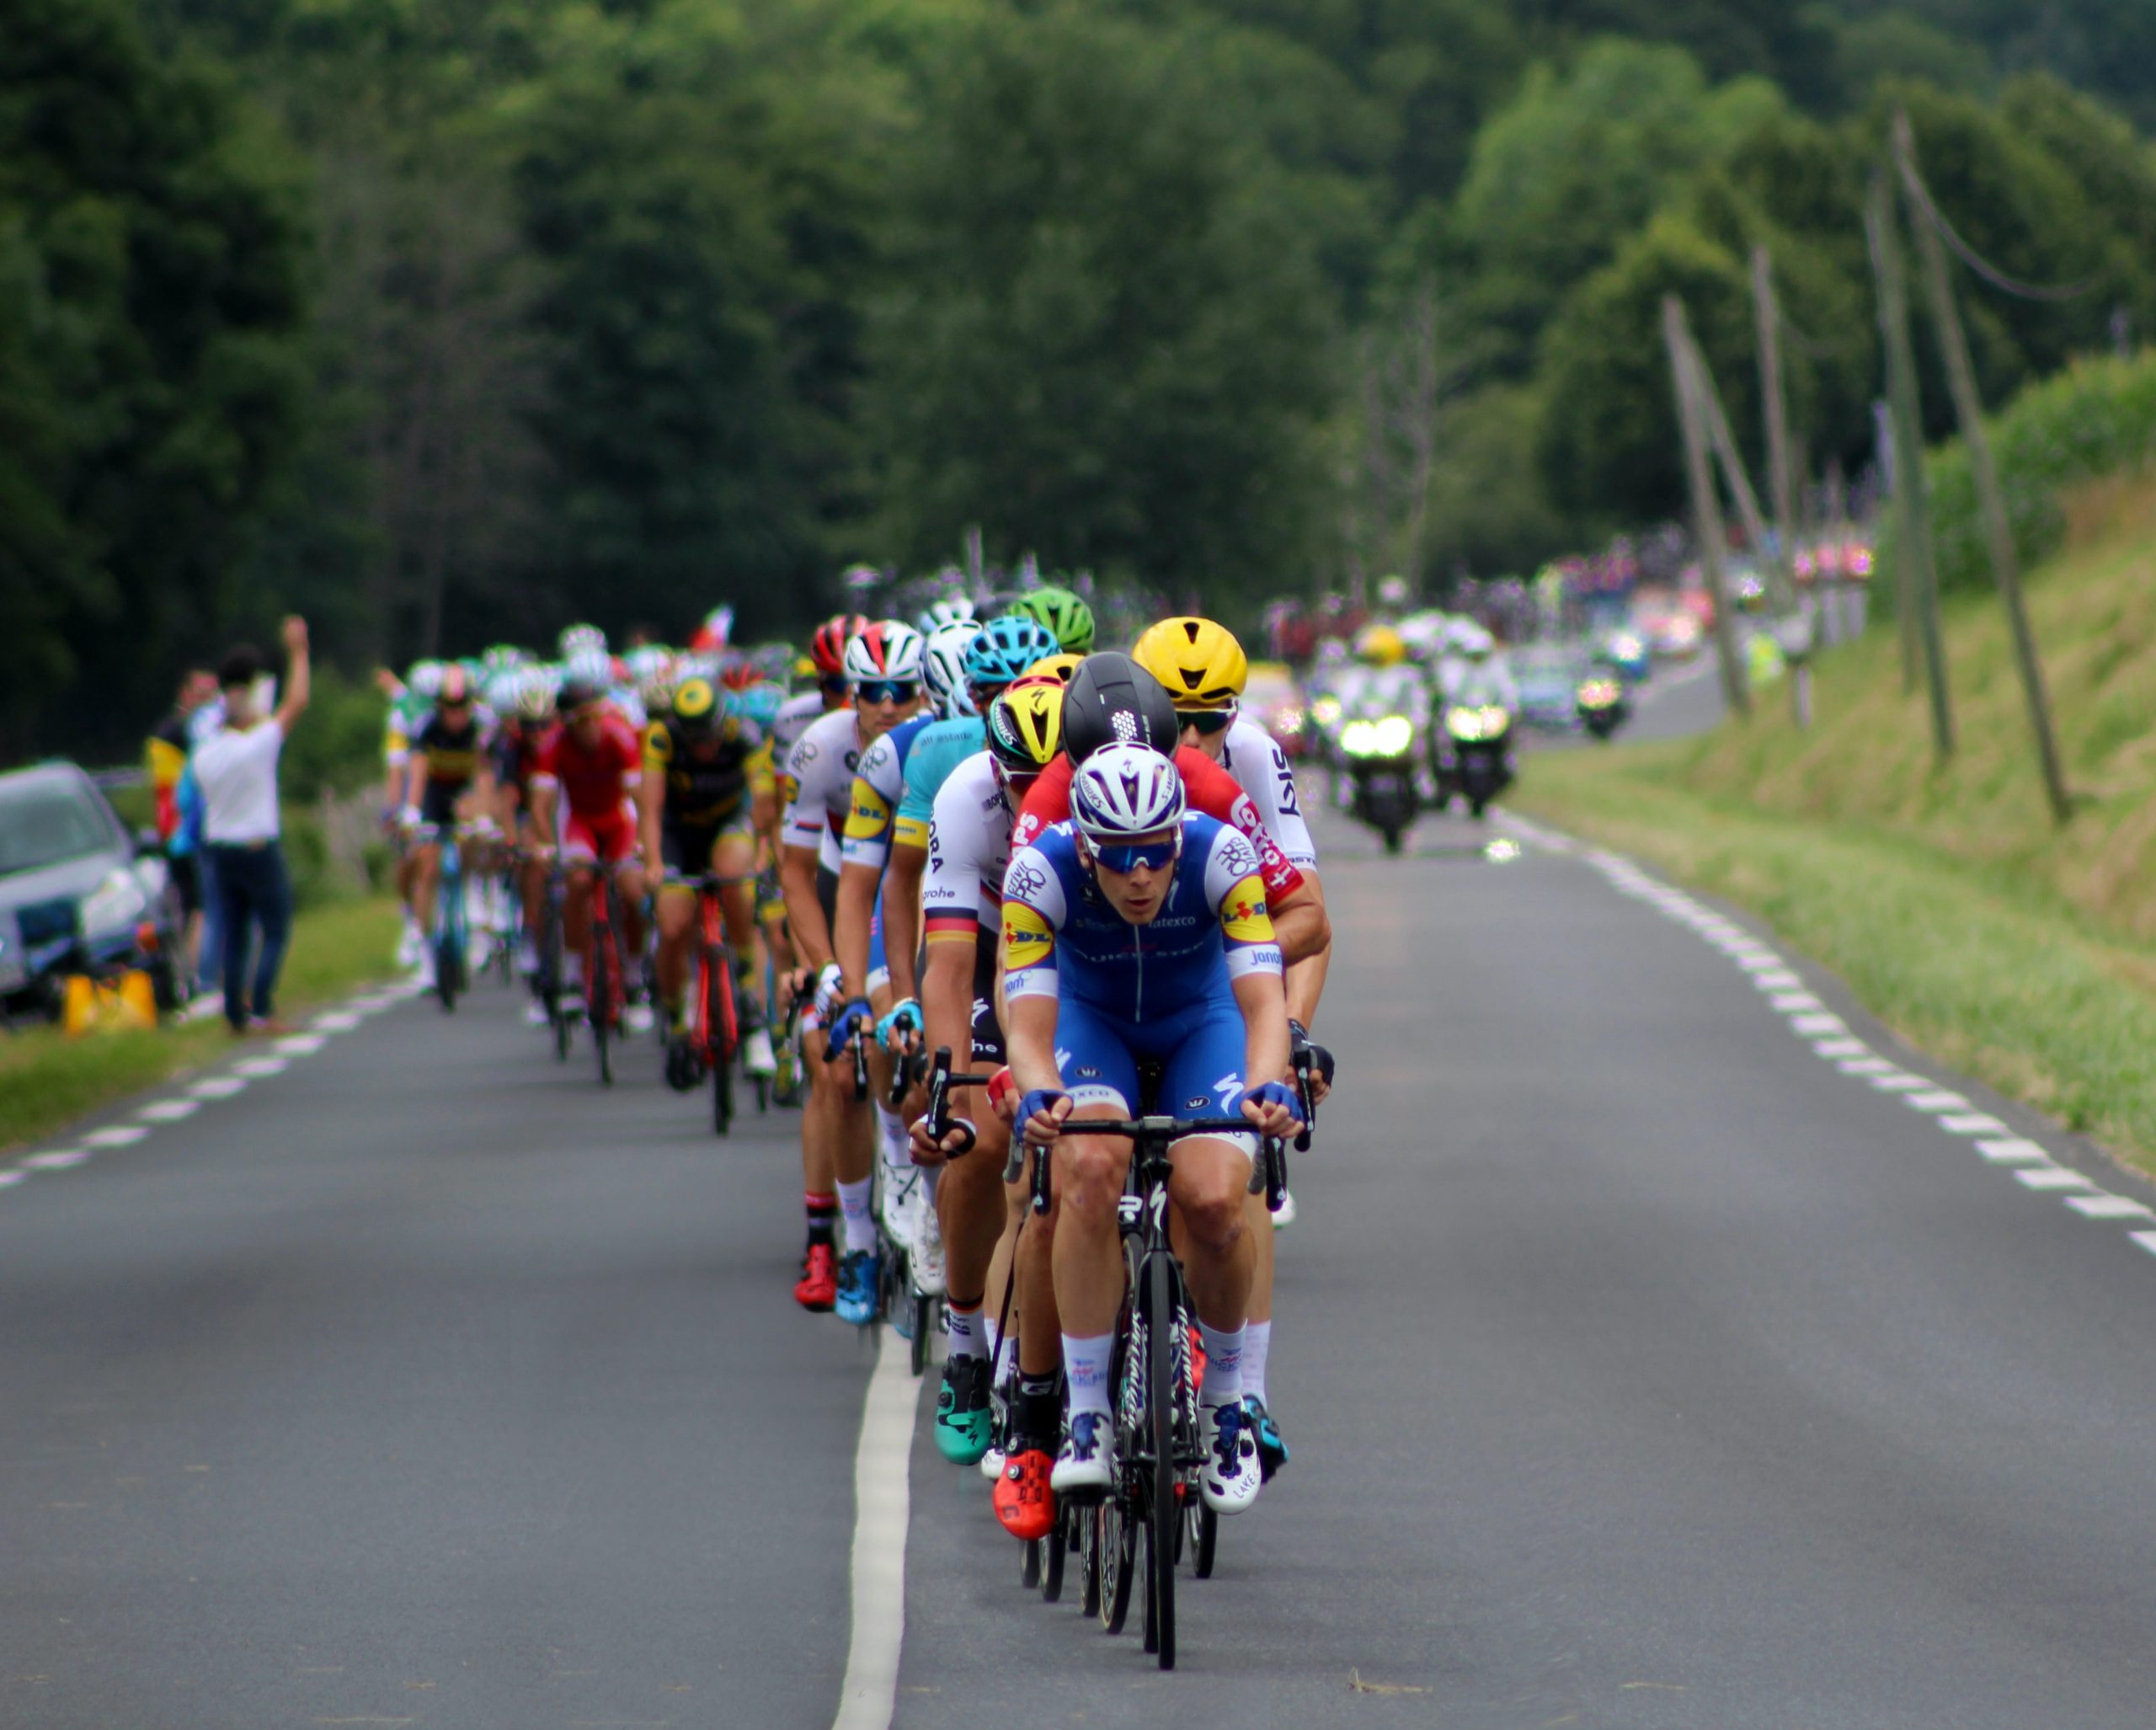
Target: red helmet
(740, 673)
(827, 647)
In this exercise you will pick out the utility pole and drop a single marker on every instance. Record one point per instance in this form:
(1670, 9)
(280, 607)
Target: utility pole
(1706, 508)
(1780, 589)
(1915, 578)
(1781, 477)
(1969, 409)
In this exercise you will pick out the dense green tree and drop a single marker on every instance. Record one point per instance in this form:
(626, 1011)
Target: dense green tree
(149, 377)
(1103, 335)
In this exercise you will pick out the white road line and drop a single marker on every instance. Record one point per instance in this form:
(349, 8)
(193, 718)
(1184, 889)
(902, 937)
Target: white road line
(2104, 1206)
(168, 1111)
(2147, 1240)
(1782, 979)
(1974, 1122)
(870, 1693)
(1787, 1000)
(1867, 1066)
(60, 1159)
(218, 1087)
(1759, 960)
(2051, 1178)
(2013, 1151)
(1842, 1048)
(1819, 1024)
(338, 1021)
(9, 1179)
(259, 1067)
(302, 1044)
(1897, 1082)
(115, 1135)
(1936, 1099)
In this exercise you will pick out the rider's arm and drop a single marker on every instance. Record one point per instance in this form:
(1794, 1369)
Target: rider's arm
(1030, 982)
(902, 917)
(804, 913)
(1306, 968)
(1253, 958)
(651, 793)
(1030, 1040)
(1299, 921)
(856, 910)
(546, 790)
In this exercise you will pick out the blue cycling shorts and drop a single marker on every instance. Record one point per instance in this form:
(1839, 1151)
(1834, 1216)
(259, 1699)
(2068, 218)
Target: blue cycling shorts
(1202, 1051)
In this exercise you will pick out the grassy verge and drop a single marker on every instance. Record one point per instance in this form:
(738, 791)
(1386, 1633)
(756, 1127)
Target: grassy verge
(2020, 952)
(46, 1079)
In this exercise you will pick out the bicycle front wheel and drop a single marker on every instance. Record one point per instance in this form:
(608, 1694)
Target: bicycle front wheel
(718, 1022)
(599, 993)
(1165, 1525)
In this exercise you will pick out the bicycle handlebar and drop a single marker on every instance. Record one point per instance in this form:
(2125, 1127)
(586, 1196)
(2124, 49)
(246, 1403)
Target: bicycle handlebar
(940, 1123)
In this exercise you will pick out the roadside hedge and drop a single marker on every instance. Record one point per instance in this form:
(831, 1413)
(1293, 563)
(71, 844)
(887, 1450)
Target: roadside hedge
(2097, 418)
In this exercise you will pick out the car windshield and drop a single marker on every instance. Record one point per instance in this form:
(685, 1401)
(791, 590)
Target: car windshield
(46, 822)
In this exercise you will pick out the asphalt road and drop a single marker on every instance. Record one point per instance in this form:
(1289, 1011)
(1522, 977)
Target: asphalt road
(1643, 1366)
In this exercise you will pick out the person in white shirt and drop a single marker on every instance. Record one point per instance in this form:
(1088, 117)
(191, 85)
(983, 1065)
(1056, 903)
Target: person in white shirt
(236, 768)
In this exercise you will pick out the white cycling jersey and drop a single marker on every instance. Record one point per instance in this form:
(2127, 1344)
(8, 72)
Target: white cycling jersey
(820, 768)
(1254, 757)
(795, 717)
(968, 851)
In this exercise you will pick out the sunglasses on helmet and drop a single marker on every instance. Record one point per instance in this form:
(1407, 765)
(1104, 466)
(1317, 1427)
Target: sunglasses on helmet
(1123, 857)
(888, 690)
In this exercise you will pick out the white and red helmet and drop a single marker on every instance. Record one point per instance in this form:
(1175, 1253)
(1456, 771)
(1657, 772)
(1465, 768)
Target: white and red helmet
(888, 648)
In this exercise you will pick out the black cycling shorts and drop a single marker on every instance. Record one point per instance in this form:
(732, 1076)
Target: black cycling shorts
(987, 1031)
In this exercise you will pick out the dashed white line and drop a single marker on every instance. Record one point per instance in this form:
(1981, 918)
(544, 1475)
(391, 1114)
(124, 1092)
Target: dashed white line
(60, 1158)
(1936, 1099)
(2107, 1206)
(2147, 1240)
(302, 1044)
(259, 1067)
(1780, 979)
(2051, 1178)
(1819, 1024)
(1974, 1123)
(9, 1179)
(2012, 1151)
(115, 1135)
(1787, 1000)
(168, 1111)
(1841, 1049)
(218, 1087)
(1897, 1082)
(338, 1021)
(1866, 1065)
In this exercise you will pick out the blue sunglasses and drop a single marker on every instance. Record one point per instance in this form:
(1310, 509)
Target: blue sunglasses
(888, 690)
(1125, 857)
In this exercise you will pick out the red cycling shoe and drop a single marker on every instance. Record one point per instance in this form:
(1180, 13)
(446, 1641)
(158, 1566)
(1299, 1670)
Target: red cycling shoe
(1024, 1503)
(818, 1288)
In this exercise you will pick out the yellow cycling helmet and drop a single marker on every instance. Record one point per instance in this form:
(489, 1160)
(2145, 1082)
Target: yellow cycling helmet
(1381, 646)
(1058, 667)
(1202, 665)
(697, 706)
(1025, 727)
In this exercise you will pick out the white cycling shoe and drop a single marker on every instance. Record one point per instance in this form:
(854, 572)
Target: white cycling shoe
(1286, 1216)
(1232, 1475)
(756, 1055)
(1085, 1462)
(638, 1018)
(901, 1204)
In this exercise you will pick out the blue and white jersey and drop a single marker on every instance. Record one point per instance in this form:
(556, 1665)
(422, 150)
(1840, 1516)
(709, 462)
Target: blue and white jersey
(1063, 938)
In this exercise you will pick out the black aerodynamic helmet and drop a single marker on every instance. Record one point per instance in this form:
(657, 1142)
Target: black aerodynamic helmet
(1111, 700)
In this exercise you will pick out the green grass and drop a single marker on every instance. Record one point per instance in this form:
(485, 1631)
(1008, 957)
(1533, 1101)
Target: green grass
(2020, 952)
(46, 1079)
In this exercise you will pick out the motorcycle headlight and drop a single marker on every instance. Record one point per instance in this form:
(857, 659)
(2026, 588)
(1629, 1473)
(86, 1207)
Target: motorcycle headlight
(1464, 723)
(1393, 735)
(115, 903)
(1359, 738)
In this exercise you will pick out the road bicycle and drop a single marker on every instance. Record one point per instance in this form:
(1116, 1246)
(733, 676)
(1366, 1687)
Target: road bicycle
(1152, 1513)
(451, 938)
(715, 1027)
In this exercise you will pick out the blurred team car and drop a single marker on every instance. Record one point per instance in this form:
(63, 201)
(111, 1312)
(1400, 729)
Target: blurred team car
(77, 894)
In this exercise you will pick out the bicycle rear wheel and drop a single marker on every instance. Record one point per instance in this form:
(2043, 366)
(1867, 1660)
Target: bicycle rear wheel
(599, 996)
(1164, 1524)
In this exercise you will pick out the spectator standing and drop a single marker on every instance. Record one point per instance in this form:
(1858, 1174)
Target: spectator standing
(194, 716)
(236, 768)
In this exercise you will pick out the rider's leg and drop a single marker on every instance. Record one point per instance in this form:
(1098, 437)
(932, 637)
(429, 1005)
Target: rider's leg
(677, 919)
(630, 880)
(734, 857)
(576, 921)
(426, 877)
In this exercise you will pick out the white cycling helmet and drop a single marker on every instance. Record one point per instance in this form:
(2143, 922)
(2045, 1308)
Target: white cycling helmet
(579, 640)
(951, 610)
(943, 667)
(889, 649)
(1122, 791)
(535, 694)
(593, 667)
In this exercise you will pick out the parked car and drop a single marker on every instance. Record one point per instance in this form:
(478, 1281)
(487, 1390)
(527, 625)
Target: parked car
(78, 893)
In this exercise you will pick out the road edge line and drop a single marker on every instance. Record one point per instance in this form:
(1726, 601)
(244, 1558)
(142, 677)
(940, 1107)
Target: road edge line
(868, 1697)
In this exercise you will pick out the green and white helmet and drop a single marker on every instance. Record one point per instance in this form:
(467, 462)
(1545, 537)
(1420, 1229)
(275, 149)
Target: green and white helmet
(1064, 612)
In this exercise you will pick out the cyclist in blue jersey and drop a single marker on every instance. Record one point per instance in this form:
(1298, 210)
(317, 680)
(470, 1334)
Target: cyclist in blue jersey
(1138, 931)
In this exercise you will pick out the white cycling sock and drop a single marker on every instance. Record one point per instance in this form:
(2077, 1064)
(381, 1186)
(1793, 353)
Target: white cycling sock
(572, 972)
(966, 1331)
(854, 1202)
(1086, 1364)
(1223, 1365)
(1006, 1350)
(898, 1149)
(1258, 1343)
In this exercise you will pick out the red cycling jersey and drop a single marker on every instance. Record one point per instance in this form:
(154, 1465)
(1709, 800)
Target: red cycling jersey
(592, 782)
(1208, 786)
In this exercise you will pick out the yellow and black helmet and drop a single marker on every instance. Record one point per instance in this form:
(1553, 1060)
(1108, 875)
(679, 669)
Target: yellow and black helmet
(1025, 726)
(1058, 667)
(696, 708)
(1202, 665)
